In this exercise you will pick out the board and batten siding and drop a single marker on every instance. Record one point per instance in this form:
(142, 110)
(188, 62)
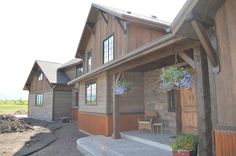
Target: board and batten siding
(225, 80)
(43, 112)
(62, 104)
(101, 84)
(136, 36)
(133, 101)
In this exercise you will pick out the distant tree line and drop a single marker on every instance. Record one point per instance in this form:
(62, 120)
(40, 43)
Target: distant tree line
(20, 101)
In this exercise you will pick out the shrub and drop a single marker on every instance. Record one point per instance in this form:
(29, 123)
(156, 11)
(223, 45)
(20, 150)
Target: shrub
(185, 142)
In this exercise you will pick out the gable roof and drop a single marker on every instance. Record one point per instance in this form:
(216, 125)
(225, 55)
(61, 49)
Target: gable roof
(50, 71)
(121, 14)
(70, 63)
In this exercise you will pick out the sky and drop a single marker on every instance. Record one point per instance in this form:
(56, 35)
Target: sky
(50, 30)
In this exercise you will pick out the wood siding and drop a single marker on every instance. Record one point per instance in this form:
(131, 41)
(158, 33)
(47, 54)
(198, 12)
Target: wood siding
(62, 104)
(225, 143)
(43, 112)
(101, 104)
(225, 81)
(133, 101)
(39, 86)
(137, 35)
(141, 35)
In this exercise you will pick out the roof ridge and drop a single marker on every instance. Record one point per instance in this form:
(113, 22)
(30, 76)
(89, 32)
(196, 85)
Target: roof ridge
(47, 61)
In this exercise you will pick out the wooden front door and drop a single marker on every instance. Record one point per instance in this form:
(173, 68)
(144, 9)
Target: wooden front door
(188, 115)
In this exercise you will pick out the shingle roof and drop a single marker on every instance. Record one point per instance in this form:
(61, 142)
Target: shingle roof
(70, 63)
(50, 70)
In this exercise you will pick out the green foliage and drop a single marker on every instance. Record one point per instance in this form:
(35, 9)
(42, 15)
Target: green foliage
(185, 142)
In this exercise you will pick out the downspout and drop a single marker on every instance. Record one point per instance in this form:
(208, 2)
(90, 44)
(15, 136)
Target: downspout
(53, 99)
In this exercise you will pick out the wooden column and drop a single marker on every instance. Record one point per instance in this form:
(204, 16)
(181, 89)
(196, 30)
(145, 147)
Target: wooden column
(116, 114)
(203, 102)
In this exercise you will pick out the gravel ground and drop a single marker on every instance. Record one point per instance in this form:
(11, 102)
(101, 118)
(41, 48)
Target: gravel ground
(65, 145)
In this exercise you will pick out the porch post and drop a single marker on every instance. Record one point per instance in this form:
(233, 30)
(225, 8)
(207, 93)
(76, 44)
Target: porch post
(203, 102)
(116, 114)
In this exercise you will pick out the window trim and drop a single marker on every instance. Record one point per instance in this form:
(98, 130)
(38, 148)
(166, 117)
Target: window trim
(77, 68)
(89, 83)
(107, 38)
(40, 76)
(172, 97)
(36, 99)
(76, 99)
(89, 54)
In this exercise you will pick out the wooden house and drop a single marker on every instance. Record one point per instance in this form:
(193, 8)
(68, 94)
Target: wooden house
(50, 98)
(117, 44)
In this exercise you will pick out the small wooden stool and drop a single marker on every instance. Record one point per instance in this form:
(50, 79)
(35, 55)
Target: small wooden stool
(156, 126)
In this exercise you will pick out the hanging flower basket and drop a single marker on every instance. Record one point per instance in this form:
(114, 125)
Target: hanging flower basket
(122, 87)
(175, 78)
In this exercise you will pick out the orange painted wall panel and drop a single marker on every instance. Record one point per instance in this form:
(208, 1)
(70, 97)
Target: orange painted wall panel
(225, 143)
(74, 114)
(99, 124)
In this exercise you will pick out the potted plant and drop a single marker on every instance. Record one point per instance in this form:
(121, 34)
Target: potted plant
(175, 78)
(121, 87)
(185, 145)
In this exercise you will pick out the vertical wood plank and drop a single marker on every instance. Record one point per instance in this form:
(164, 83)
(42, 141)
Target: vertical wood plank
(116, 114)
(203, 102)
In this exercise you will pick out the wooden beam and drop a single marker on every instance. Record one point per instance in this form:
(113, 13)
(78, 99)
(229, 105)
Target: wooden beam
(116, 112)
(203, 102)
(122, 25)
(187, 59)
(104, 16)
(90, 27)
(202, 35)
(209, 22)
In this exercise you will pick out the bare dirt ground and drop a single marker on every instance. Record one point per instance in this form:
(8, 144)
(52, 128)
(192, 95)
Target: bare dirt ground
(62, 135)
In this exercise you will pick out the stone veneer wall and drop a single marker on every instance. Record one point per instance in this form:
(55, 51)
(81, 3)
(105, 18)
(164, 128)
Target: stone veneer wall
(155, 99)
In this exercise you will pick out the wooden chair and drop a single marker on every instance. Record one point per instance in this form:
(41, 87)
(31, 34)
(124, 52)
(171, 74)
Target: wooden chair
(146, 121)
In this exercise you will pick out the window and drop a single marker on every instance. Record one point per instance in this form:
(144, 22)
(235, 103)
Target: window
(39, 100)
(79, 71)
(172, 96)
(108, 49)
(89, 62)
(76, 98)
(91, 93)
(40, 76)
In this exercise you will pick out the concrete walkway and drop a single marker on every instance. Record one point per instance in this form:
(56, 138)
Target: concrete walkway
(106, 146)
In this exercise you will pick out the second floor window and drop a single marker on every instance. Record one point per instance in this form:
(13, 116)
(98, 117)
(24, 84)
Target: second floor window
(89, 62)
(108, 49)
(40, 76)
(79, 71)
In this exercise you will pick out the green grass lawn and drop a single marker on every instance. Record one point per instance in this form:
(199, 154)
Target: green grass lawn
(11, 106)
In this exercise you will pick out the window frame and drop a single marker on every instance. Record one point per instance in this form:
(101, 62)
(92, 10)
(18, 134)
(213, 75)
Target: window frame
(86, 94)
(40, 76)
(76, 104)
(108, 50)
(79, 72)
(172, 97)
(89, 68)
(39, 99)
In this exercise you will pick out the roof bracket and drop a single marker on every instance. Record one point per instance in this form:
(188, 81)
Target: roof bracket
(206, 43)
(104, 15)
(91, 27)
(123, 24)
(187, 59)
